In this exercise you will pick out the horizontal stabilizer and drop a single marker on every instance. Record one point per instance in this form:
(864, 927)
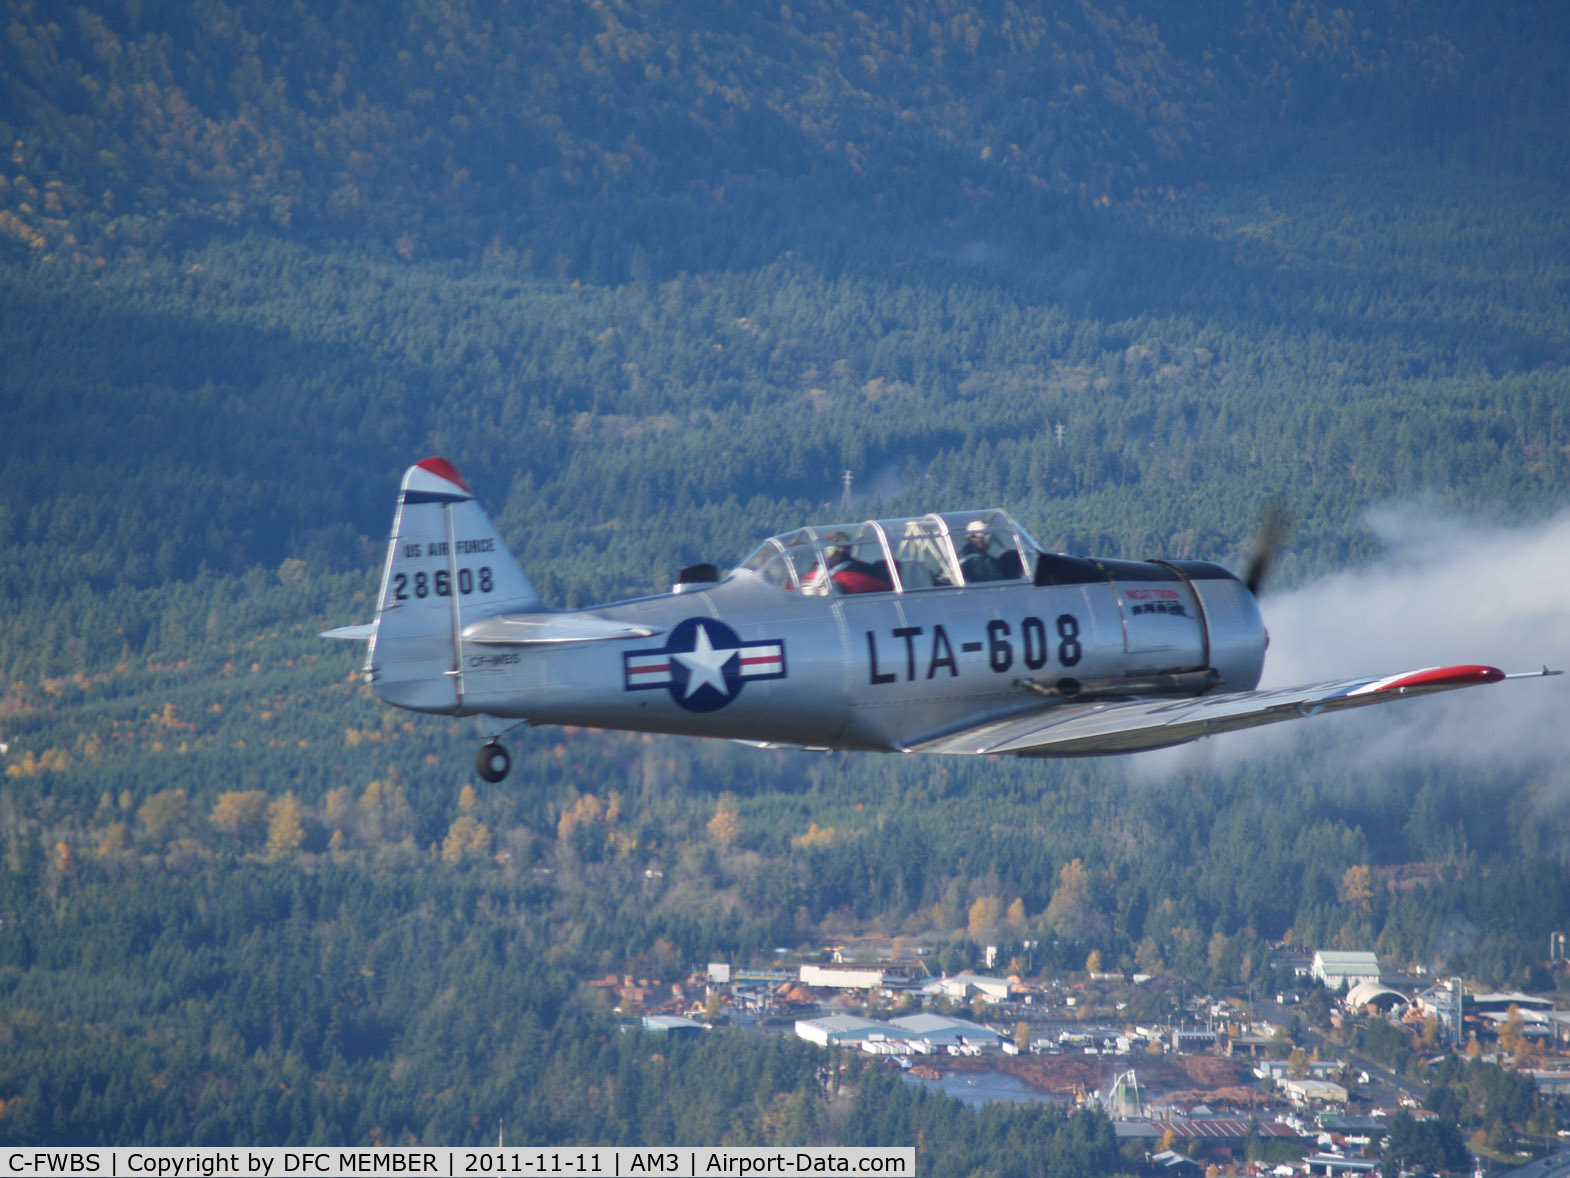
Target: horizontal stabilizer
(543, 629)
(360, 633)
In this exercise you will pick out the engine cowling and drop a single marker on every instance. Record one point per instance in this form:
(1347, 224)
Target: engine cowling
(1188, 626)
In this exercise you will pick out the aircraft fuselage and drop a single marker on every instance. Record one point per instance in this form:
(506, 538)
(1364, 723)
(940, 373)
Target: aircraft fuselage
(745, 660)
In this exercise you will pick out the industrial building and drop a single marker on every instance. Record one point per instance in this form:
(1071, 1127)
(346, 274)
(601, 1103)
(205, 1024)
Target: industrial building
(850, 977)
(942, 1031)
(1342, 970)
(840, 1030)
(962, 987)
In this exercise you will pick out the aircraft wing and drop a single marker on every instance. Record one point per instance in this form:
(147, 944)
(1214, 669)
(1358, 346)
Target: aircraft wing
(1123, 726)
(532, 629)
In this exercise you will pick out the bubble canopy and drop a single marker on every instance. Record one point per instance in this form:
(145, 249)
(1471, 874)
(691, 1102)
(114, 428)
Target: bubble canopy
(944, 550)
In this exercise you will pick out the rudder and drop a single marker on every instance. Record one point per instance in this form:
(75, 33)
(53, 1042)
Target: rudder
(446, 566)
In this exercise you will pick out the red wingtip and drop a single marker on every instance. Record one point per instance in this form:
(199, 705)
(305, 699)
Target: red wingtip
(441, 468)
(1461, 676)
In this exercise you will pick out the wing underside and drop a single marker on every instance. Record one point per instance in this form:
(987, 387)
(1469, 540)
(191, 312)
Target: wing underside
(1125, 726)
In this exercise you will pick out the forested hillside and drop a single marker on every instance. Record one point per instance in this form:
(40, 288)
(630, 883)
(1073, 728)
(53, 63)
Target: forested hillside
(653, 276)
(612, 140)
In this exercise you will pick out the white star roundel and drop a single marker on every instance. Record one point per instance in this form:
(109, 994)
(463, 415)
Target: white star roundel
(704, 664)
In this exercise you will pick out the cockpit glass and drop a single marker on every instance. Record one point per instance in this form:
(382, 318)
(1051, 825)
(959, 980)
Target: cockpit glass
(988, 545)
(922, 554)
(772, 565)
(855, 558)
(880, 556)
(802, 548)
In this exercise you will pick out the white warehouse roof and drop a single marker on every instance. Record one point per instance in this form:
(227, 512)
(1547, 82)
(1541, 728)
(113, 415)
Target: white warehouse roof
(942, 1028)
(845, 1028)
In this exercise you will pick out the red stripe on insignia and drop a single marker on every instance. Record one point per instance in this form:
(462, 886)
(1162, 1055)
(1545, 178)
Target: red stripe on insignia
(767, 658)
(647, 669)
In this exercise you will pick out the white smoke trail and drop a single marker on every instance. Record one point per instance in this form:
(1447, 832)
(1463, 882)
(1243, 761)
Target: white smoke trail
(1448, 590)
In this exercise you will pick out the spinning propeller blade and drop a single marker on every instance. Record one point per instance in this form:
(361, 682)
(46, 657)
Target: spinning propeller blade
(1274, 527)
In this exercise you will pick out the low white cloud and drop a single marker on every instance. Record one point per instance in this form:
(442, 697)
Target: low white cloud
(1446, 590)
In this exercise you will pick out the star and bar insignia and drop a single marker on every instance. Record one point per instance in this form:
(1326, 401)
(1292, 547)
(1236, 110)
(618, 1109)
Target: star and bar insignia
(704, 664)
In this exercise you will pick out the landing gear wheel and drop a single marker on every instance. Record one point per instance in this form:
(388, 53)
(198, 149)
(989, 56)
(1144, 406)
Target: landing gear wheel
(493, 762)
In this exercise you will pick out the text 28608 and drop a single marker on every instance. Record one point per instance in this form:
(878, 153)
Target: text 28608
(424, 585)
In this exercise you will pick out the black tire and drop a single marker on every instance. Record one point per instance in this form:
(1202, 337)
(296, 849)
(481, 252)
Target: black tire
(493, 763)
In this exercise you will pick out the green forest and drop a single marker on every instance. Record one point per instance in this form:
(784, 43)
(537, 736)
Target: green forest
(653, 275)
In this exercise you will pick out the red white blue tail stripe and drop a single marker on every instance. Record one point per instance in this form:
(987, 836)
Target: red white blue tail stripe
(435, 480)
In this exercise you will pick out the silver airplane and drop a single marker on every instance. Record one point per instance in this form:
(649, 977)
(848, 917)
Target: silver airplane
(946, 633)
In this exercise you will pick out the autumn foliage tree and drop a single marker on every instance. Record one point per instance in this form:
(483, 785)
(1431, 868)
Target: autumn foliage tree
(725, 825)
(465, 836)
(285, 832)
(1075, 910)
(240, 813)
(984, 916)
(1357, 889)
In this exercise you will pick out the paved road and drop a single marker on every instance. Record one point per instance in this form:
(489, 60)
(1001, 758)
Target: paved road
(1309, 1039)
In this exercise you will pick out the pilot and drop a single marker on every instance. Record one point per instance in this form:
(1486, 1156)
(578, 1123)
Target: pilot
(813, 580)
(855, 576)
(976, 559)
(816, 579)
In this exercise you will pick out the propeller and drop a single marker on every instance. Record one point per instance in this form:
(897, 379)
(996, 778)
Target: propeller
(1275, 524)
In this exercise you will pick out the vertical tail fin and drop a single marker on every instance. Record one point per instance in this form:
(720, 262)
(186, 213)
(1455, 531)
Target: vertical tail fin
(446, 566)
